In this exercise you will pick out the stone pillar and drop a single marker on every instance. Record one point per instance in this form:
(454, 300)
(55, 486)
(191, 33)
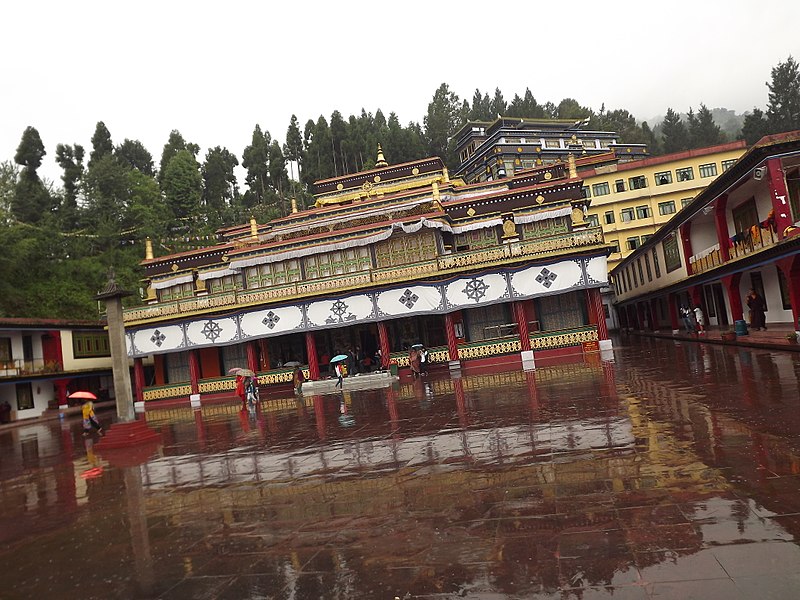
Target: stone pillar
(138, 379)
(452, 343)
(672, 300)
(721, 225)
(731, 283)
(194, 371)
(383, 341)
(686, 243)
(112, 295)
(313, 361)
(779, 196)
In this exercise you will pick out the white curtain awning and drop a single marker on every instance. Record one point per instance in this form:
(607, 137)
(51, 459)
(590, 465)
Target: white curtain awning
(161, 284)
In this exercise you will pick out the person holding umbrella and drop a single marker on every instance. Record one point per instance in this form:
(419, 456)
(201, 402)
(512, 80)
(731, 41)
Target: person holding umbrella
(336, 361)
(90, 421)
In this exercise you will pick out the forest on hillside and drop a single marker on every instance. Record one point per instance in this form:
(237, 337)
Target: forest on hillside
(60, 238)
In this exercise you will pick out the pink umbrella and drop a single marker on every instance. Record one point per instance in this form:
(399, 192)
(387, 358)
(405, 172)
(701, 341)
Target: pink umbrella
(83, 395)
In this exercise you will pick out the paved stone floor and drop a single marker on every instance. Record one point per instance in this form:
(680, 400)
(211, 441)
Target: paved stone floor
(672, 472)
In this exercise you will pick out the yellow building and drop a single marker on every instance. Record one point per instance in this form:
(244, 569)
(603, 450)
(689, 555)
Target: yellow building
(631, 200)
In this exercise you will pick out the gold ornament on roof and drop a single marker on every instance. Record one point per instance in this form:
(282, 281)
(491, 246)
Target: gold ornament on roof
(381, 162)
(471, 212)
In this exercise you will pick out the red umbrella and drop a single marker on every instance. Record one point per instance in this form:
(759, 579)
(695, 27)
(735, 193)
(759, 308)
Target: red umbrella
(83, 395)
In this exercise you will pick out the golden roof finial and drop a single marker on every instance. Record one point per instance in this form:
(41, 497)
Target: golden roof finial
(253, 228)
(381, 162)
(294, 205)
(148, 249)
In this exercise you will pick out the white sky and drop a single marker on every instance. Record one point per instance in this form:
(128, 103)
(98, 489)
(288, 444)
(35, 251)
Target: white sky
(214, 69)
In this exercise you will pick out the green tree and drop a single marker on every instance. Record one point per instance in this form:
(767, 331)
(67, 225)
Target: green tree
(183, 189)
(481, 108)
(443, 119)
(134, 154)
(175, 143)
(569, 108)
(9, 174)
(498, 105)
(255, 159)
(278, 177)
(219, 184)
(32, 201)
(783, 108)
(293, 148)
(148, 214)
(703, 132)
(106, 192)
(101, 143)
(70, 158)
(675, 135)
(319, 157)
(755, 127)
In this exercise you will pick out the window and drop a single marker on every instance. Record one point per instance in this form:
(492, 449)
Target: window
(672, 256)
(655, 263)
(619, 185)
(587, 193)
(646, 237)
(727, 164)
(633, 242)
(609, 217)
(647, 267)
(552, 143)
(641, 273)
(24, 396)
(615, 246)
(638, 182)
(626, 214)
(624, 283)
(663, 177)
(635, 280)
(87, 344)
(601, 189)
(628, 279)
(593, 221)
(643, 212)
(606, 312)
(5, 351)
(684, 174)
(666, 208)
(589, 143)
(784, 286)
(176, 292)
(709, 170)
(686, 202)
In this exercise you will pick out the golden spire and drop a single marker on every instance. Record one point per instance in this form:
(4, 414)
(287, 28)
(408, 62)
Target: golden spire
(148, 249)
(253, 228)
(381, 162)
(573, 171)
(294, 205)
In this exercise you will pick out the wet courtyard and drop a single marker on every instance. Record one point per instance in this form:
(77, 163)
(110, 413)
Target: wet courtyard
(672, 471)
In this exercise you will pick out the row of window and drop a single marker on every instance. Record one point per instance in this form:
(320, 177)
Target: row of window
(640, 212)
(634, 273)
(661, 178)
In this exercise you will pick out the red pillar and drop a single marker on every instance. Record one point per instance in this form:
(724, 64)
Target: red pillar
(594, 304)
(779, 196)
(252, 356)
(194, 371)
(522, 325)
(721, 225)
(654, 325)
(452, 343)
(313, 361)
(790, 267)
(138, 379)
(731, 283)
(686, 242)
(672, 300)
(61, 391)
(696, 294)
(383, 340)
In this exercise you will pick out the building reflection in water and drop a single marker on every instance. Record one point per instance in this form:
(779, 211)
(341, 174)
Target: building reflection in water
(514, 483)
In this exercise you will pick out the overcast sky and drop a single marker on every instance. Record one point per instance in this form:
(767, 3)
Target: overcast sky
(213, 70)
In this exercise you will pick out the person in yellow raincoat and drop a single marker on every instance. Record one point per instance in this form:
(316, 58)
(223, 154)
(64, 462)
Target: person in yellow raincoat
(90, 421)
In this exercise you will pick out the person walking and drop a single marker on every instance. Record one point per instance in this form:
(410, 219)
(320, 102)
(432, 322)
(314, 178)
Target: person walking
(298, 378)
(688, 319)
(700, 318)
(338, 370)
(90, 421)
(758, 307)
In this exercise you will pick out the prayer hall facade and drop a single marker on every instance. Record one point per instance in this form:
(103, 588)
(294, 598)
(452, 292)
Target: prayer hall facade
(508, 270)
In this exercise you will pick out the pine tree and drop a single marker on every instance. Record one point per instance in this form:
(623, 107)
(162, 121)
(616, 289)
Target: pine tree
(101, 143)
(783, 109)
(32, 201)
(675, 136)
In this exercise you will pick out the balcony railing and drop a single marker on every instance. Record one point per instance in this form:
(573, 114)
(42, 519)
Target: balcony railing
(741, 245)
(445, 263)
(35, 366)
